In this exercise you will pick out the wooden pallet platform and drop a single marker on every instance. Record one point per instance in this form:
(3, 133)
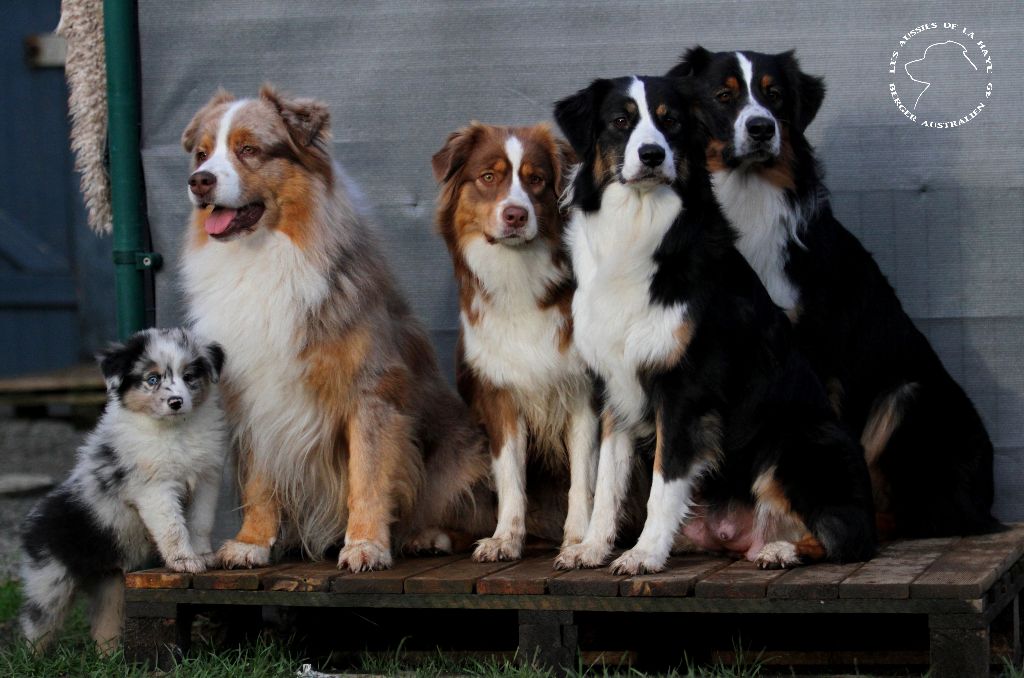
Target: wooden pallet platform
(960, 585)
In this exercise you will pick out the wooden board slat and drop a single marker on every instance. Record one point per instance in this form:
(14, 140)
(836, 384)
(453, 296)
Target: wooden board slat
(971, 567)
(84, 377)
(234, 580)
(157, 578)
(303, 577)
(458, 577)
(890, 573)
(742, 579)
(679, 579)
(393, 580)
(812, 582)
(527, 577)
(587, 583)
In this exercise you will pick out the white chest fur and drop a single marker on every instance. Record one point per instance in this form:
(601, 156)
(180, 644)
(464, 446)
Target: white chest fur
(252, 295)
(513, 342)
(766, 222)
(618, 329)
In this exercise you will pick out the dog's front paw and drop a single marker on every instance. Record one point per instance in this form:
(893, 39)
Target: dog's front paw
(582, 555)
(363, 555)
(190, 563)
(637, 561)
(493, 549)
(777, 554)
(236, 554)
(428, 541)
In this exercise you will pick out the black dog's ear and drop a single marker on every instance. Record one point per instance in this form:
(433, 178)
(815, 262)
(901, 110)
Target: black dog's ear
(117, 360)
(453, 155)
(693, 62)
(215, 354)
(576, 115)
(809, 91)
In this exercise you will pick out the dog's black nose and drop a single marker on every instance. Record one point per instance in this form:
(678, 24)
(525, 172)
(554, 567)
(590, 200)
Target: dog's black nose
(652, 155)
(201, 183)
(175, 402)
(760, 129)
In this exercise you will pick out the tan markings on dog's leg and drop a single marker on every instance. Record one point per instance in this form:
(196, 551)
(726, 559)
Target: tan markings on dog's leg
(794, 313)
(107, 615)
(810, 549)
(775, 524)
(835, 391)
(379, 455)
(261, 511)
(884, 418)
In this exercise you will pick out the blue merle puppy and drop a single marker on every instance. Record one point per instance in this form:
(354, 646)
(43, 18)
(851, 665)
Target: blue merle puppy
(147, 477)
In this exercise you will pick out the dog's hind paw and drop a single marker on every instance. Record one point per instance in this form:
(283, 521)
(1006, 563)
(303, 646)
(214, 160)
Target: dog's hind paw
(237, 554)
(777, 555)
(363, 555)
(582, 555)
(494, 549)
(428, 541)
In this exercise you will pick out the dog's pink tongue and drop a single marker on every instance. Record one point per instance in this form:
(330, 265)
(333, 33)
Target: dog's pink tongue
(219, 219)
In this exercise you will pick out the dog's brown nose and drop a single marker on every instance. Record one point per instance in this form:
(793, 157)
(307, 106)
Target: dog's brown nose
(201, 183)
(514, 217)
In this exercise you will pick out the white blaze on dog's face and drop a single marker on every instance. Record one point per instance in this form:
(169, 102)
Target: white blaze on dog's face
(501, 182)
(756, 127)
(648, 156)
(163, 374)
(256, 163)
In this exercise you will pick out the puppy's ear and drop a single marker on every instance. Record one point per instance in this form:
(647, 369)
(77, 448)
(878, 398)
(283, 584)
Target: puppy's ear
(307, 120)
(808, 91)
(190, 136)
(576, 115)
(117, 360)
(215, 354)
(693, 62)
(453, 155)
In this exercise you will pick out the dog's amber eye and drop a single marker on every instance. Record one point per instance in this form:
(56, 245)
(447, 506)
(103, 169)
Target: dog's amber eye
(621, 122)
(535, 180)
(487, 177)
(248, 151)
(201, 156)
(724, 95)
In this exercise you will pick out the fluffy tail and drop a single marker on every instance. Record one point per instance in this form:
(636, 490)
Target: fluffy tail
(48, 590)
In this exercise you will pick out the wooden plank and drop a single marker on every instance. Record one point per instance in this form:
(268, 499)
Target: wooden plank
(679, 579)
(303, 577)
(234, 580)
(742, 579)
(600, 583)
(84, 377)
(528, 577)
(157, 578)
(971, 567)
(890, 573)
(813, 582)
(393, 580)
(458, 577)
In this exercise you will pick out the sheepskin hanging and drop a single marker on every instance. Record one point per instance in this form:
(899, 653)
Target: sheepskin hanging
(81, 25)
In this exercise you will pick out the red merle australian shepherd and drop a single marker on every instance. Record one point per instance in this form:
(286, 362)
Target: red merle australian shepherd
(929, 456)
(691, 351)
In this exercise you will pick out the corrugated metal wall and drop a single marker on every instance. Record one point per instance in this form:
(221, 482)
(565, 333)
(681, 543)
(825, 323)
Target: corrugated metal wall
(941, 209)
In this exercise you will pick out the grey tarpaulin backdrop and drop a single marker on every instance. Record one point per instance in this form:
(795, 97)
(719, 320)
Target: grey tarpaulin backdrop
(941, 209)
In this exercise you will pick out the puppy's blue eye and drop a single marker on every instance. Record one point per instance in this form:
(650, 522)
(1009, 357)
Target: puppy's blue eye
(152, 380)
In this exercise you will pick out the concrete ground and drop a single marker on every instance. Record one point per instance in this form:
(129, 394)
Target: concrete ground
(37, 446)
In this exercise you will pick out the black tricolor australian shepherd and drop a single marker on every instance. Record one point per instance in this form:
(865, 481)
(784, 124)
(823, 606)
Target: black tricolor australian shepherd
(928, 453)
(690, 349)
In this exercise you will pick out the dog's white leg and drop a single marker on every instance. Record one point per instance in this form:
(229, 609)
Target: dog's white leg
(159, 506)
(613, 471)
(583, 457)
(201, 514)
(509, 469)
(107, 614)
(669, 503)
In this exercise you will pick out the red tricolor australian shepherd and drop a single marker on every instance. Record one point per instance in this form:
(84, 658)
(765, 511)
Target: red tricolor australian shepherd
(518, 369)
(343, 422)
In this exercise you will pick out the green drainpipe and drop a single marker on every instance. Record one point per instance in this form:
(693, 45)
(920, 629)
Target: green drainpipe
(131, 261)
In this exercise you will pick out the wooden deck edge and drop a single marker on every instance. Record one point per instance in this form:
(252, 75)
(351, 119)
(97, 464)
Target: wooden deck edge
(556, 602)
